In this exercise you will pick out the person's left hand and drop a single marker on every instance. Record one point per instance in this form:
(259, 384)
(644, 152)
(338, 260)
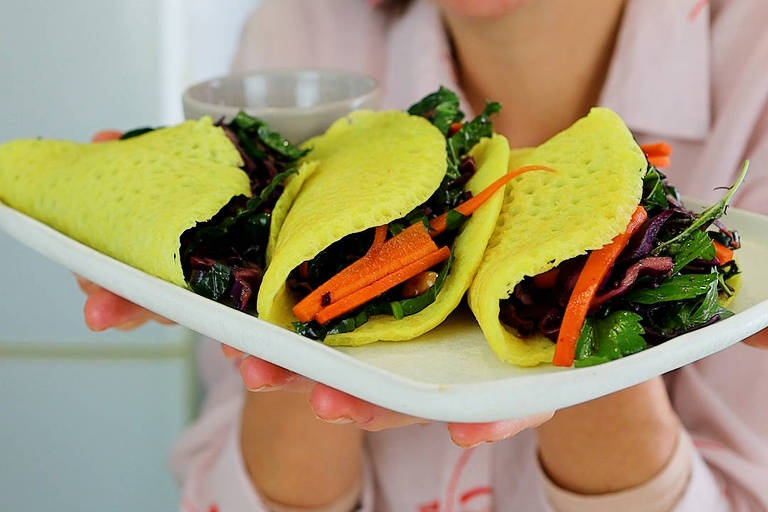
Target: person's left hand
(759, 340)
(334, 406)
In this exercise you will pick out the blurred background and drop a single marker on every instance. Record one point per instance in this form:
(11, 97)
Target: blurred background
(87, 419)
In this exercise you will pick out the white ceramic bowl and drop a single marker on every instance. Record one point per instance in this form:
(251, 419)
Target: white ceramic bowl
(297, 103)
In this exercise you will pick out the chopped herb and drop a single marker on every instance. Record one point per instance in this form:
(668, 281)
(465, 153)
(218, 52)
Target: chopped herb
(440, 107)
(654, 190)
(709, 215)
(696, 246)
(279, 143)
(680, 287)
(603, 339)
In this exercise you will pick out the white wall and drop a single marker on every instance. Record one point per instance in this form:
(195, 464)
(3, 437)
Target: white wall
(86, 419)
(69, 68)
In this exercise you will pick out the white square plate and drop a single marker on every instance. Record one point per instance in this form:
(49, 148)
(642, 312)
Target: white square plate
(450, 373)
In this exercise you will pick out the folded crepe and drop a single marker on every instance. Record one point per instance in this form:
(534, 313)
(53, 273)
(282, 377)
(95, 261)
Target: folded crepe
(555, 229)
(376, 175)
(167, 202)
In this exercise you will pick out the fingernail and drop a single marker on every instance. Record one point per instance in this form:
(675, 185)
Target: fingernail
(263, 388)
(341, 420)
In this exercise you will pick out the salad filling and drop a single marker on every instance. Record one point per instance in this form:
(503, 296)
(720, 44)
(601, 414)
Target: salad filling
(224, 258)
(669, 273)
(400, 268)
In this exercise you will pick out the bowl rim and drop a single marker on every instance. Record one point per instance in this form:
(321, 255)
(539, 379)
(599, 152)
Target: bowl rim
(373, 92)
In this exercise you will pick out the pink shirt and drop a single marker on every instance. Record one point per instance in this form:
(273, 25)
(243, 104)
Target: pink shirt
(684, 71)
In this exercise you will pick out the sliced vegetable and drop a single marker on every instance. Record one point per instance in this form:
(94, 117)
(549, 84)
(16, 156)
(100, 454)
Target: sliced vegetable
(656, 149)
(657, 153)
(439, 224)
(363, 295)
(722, 253)
(659, 161)
(547, 280)
(654, 265)
(397, 252)
(595, 269)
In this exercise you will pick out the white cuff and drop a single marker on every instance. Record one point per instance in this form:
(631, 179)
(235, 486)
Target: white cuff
(660, 494)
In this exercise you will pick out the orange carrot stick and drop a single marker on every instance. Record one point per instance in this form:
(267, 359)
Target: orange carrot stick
(656, 149)
(659, 161)
(379, 236)
(363, 295)
(437, 225)
(723, 254)
(400, 250)
(106, 135)
(595, 269)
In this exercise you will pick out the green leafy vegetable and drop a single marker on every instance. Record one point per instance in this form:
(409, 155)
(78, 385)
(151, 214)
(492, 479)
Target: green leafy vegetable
(603, 339)
(468, 136)
(213, 283)
(585, 345)
(697, 245)
(680, 287)
(279, 143)
(708, 307)
(454, 220)
(654, 190)
(712, 213)
(440, 107)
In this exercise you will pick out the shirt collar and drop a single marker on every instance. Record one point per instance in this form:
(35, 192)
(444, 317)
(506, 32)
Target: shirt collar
(659, 78)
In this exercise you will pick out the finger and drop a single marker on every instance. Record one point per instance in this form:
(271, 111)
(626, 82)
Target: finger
(85, 285)
(759, 340)
(335, 406)
(106, 135)
(104, 309)
(230, 352)
(467, 435)
(90, 288)
(260, 375)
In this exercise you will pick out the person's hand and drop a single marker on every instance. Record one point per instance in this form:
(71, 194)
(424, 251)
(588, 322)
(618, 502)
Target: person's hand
(103, 309)
(759, 340)
(333, 406)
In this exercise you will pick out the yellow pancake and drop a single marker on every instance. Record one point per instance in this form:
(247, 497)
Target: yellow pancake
(490, 156)
(129, 199)
(548, 218)
(371, 169)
